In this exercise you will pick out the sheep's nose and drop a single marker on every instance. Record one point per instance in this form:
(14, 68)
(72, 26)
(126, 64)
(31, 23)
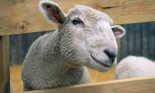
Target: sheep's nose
(110, 54)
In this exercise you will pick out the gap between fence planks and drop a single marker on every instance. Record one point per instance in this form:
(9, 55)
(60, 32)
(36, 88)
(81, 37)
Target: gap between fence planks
(23, 16)
(135, 85)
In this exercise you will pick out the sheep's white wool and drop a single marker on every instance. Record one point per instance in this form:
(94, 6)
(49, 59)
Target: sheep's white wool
(133, 66)
(84, 38)
(90, 13)
(96, 34)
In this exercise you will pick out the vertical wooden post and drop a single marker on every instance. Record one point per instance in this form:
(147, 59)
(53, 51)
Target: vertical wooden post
(4, 65)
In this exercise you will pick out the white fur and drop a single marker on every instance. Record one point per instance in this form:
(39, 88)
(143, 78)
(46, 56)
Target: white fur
(133, 66)
(58, 59)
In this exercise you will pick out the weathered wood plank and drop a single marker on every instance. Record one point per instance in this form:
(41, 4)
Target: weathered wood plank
(122, 49)
(139, 85)
(130, 40)
(138, 41)
(4, 65)
(1, 67)
(110, 3)
(152, 40)
(22, 16)
(132, 11)
(145, 40)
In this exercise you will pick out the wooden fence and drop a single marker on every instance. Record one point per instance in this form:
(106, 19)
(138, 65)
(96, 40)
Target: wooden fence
(139, 40)
(22, 16)
(141, 85)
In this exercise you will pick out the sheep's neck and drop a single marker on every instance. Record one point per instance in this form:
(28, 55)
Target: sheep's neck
(57, 61)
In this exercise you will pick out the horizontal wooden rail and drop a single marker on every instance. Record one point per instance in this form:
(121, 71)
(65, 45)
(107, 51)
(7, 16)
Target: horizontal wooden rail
(137, 85)
(22, 16)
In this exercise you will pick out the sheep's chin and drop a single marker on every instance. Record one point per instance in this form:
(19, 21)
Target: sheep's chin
(100, 67)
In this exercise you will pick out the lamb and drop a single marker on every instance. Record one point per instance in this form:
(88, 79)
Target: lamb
(85, 37)
(134, 66)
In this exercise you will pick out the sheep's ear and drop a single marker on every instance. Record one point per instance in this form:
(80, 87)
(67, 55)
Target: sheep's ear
(118, 31)
(52, 12)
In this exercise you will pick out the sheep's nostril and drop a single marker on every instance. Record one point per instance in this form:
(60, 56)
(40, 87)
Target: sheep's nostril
(110, 54)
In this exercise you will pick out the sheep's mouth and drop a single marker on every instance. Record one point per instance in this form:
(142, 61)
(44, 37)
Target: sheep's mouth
(99, 62)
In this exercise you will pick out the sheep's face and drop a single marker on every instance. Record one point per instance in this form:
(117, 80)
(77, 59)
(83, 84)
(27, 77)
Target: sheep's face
(88, 34)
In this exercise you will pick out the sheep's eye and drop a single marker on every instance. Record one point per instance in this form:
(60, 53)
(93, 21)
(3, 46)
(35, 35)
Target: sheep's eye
(77, 21)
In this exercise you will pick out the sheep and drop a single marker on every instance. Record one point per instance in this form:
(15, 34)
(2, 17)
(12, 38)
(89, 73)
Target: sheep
(85, 37)
(135, 66)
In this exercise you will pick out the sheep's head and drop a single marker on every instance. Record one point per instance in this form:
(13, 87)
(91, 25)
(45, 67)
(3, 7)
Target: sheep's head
(89, 35)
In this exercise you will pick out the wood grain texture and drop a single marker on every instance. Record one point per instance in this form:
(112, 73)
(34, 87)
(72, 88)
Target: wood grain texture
(15, 77)
(139, 40)
(4, 65)
(110, 3)
(23, 16)
(1, 66)
(138, 85)
(131, 11)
